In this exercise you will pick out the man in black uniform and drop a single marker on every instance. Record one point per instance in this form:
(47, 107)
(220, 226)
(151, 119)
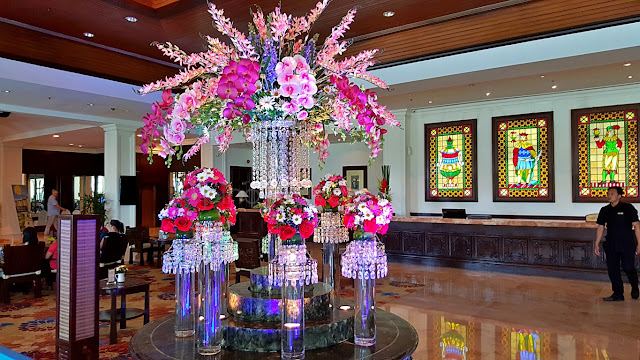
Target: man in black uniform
(621, 246)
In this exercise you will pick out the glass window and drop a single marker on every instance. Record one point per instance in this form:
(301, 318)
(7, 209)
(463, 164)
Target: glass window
(36, 192)
(175, 182)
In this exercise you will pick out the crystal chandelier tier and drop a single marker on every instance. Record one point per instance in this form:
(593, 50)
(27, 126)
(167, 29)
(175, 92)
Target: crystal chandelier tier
(280, 158)
(331, 229)
(302, 268)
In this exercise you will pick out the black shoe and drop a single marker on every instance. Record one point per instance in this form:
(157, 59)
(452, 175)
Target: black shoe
(635, 293)
(614, 298)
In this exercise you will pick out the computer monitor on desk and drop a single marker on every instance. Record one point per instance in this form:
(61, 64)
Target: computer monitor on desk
(454, 213)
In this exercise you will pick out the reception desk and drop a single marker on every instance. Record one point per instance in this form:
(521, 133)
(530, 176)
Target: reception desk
(545, 247)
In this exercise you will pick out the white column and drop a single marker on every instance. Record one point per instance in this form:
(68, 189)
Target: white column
(10, 174)
(119, 160)
(210, 156)
(395, 155)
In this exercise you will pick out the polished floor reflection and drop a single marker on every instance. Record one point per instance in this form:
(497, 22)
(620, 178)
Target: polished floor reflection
(463, 314)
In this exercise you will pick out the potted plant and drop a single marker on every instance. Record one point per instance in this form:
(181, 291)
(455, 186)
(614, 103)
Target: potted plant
(120, 273)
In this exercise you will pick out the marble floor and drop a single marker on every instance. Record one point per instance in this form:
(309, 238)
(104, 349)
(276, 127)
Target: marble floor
(513, 317)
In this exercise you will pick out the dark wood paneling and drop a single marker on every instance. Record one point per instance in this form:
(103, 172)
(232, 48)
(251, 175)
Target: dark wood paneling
(578, 254)
(544, 252)
(515, 250)
(461, 246)
(393, 241)
(413, 243)
(250, 224)
(437, 244)
(487, 247)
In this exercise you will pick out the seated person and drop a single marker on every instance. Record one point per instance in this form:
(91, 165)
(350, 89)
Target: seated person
(30, 236)
(115, 231)
(50, 263)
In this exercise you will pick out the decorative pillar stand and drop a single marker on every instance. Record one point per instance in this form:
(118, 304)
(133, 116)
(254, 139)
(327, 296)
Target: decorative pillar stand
(364, 261)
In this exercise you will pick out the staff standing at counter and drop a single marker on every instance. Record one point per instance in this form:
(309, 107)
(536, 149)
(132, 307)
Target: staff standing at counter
(621, 245)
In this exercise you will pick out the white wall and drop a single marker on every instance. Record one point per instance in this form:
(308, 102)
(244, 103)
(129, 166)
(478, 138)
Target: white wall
(561, 104)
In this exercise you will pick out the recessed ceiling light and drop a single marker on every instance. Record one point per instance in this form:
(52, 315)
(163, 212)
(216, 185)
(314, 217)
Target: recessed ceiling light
(345, 307)
(139, 135)
(70, 144)
(554, 87)
(88, 34)
(56, 135)
(430, 102)
(90, 104)
(630, 77)
(541, 76)
(627, 64)
(487, 94)
(388, 13)
(7, 91)
(131, 19)
(80, 145)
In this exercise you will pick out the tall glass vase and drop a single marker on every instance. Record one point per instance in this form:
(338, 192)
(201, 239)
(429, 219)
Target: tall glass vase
(209, 329)
(224, 312)
(330, 272)
(185, 302)
(292, 341)
(364, 323)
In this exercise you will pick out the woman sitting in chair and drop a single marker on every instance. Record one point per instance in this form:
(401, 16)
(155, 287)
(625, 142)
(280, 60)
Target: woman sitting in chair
(115, 235)
(30, 236)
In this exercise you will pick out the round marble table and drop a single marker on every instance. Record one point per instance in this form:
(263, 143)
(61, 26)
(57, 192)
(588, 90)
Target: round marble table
(396, 339)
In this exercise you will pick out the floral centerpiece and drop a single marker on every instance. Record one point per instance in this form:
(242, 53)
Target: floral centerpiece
(121, 269)
(367, 214)
(178, 217)
(291, 218)
(331, 192)
(208, 191)
(278, 71)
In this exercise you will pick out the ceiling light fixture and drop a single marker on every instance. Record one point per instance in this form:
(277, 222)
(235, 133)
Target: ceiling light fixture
(7, 91)
(139, 135)
(88, 34)
(430, 102)
(56, 135)
(131, 19)
(554, 87)
(70, 144)
(627, 64)
(630, 77)
(388, 13)
(487, 94)
(80, 145)
(541, 76)
(90, 104)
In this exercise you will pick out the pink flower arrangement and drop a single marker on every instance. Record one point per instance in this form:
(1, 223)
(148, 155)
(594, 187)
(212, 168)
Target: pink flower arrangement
(178, 215)
(368, 213)
(331, 192)
(278, 71)
(290, 215)
(209, 192)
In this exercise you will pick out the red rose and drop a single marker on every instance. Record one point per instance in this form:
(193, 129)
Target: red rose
(204, 204)
(348, 220)
(370, 226)
(320, 201)
(272, 229)
(384, 229)
(183, 223)
(167, 226)
(223, 219)
(306, 229)
(286, 232)
(344, 190)
(225, 203)
(334, 200)
(223, 190)
(232, 218)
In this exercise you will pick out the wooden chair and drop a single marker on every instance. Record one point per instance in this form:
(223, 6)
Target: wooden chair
(248, 257)
(140, 242)
(21, 265)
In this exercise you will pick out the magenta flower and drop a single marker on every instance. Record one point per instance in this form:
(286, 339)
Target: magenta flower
(303, 115)
(306, 101)
(246, 118)
(227, 90)
(231, 68)
(288, 65)
(290, 107)
(178, 125)
(288, 78)
(301, 64)
(290, 90)
(308, 88)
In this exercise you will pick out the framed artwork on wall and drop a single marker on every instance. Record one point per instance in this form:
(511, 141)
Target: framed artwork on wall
(450, 161)
(356, 177)
(523, 158)
(605, 152)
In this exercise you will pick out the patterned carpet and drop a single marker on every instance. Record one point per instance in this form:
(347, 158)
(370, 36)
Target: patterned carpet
(28, 325)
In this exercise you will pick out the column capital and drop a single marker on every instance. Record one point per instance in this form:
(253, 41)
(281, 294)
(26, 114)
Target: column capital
(118, 128)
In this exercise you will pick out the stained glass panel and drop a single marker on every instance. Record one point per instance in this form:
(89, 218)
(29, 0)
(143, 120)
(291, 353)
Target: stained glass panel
(523, 157)
(450, 161)
(606, 152)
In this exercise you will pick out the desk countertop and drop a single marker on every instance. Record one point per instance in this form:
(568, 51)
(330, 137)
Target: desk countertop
(498, 222)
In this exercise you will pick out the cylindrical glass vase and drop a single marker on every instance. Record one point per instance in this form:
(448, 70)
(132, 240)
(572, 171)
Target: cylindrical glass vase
(224, 302)
(330, 272)
(364, 322)
(209, 329)
(292, 341)
(185, 303)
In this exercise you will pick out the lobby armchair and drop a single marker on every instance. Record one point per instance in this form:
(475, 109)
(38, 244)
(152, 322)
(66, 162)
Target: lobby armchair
(21, 265)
